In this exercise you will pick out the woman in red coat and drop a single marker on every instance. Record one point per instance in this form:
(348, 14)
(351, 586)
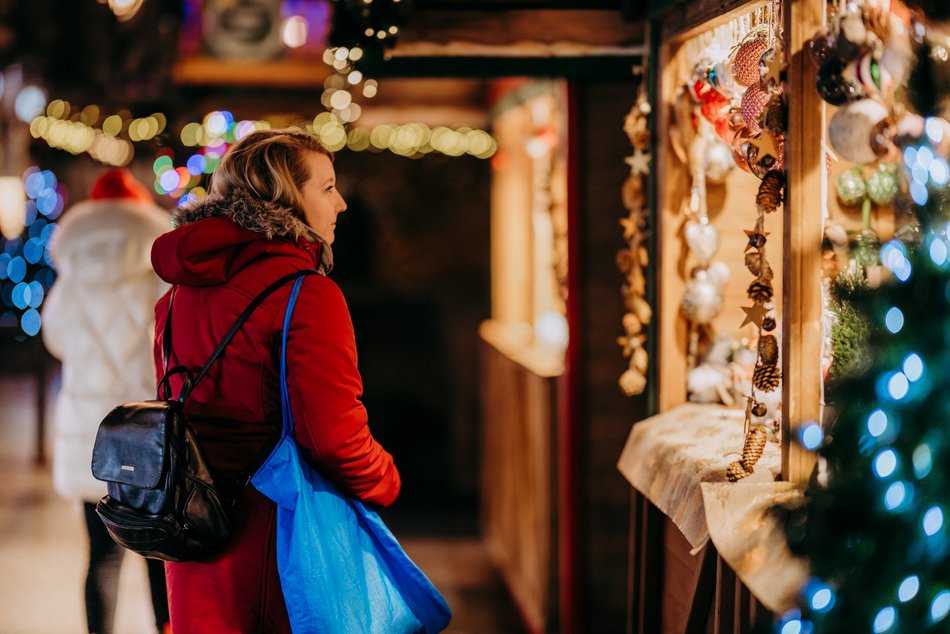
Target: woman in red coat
(272, 210)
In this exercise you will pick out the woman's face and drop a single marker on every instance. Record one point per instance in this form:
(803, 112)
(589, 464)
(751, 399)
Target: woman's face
(322, 203)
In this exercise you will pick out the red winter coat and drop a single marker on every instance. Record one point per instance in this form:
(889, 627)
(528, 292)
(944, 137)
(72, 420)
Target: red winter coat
(220, 258)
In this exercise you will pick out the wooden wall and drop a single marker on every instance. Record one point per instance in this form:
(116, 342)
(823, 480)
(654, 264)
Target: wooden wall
(604, 414)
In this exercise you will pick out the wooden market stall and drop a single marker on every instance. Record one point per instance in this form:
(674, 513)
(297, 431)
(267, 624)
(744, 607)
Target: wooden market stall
(738, 324)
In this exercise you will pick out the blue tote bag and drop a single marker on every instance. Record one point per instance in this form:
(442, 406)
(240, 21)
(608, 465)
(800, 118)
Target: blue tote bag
(341, 570)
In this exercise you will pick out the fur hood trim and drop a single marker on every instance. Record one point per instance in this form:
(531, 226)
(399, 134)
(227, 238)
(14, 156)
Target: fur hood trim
(273, 219)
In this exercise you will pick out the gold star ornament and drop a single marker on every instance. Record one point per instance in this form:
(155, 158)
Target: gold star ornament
(754, 314)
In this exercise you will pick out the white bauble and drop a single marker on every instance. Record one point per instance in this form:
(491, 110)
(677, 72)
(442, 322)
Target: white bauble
(849, 130)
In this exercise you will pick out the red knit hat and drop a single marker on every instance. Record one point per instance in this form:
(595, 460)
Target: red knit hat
(119, 184)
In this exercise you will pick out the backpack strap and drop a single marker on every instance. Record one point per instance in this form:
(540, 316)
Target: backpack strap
(189, 383)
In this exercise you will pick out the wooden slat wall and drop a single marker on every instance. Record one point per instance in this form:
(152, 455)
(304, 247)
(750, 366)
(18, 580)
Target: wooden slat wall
(517, 480)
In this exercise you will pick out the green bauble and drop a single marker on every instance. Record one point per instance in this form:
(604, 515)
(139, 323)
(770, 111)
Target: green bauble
(882, 185)
(865, 247)
(851, 188)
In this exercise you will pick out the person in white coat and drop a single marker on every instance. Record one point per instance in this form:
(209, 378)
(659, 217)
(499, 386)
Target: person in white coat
(98, 321)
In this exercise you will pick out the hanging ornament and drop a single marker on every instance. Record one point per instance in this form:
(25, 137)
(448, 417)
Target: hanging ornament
(760, 409)
(632, 260)
(745, 63)
(833, 86)
(760, 291)
(702, 239)
(851, 127)
(757, 264)
(865, 247)
(882, 137)
(756, 239)
(752, 105)
(775, 116)
(766, 377)
(769, 196)
(702, 299)
(717, 161)
(883, 184)
(725, 81)
(850, 187)
(768, 350)
(735, 472)
(768, 324)
(754, 447)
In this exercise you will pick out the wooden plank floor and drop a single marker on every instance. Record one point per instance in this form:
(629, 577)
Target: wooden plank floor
(42, 549)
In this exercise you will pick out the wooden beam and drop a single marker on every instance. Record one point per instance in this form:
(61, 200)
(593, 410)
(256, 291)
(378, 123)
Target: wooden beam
(519, 33)
(801, 323)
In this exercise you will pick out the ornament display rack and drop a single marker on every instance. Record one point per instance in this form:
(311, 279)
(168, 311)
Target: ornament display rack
(731, 209)
(677, 592)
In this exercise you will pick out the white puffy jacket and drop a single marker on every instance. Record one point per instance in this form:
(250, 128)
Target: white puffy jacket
(98, 319)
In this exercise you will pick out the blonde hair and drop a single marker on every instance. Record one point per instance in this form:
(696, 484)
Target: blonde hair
(270, 165)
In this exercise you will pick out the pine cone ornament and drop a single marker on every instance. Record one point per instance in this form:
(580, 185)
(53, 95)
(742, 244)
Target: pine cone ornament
(768, 324)
(775, 116)
(768, 350)
(760, 291)
(735, 472)
(766, 377)
(758, 265)
(769, 196)
(753, 447)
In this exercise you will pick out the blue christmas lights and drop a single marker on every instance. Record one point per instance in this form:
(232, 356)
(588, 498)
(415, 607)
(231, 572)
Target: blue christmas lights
(885, 619)
(933, 520)
(940, 606)
(819, 596)
(877, 423)
(885, 463)
(938, 251)
(908, 588)
(25, 261)
(811, 436)
(895, 496)
(922, 460)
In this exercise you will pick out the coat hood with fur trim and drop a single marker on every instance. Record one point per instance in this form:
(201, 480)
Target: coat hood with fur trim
(217, 237)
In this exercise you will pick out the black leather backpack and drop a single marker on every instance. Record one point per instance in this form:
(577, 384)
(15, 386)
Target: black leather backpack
(162, 501)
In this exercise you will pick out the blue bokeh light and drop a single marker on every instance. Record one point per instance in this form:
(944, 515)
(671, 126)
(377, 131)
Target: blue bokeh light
(913, 366)
(16, 270)
(940, 606)
(885, 620)
(877, 423)
(894, 496)
(894, 320)
(938, 251)
(31, 321)
(933, 520)
(923, 460)
(885, 463)
(908, 588)
(811, 435)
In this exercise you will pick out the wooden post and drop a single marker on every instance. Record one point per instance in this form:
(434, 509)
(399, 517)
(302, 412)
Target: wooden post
(801, 323)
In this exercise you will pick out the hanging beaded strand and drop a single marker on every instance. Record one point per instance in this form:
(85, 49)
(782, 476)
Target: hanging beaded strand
(634, 258)
(766, 375)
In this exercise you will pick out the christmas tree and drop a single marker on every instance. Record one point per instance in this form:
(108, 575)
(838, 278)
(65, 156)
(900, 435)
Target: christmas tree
(876, 526)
